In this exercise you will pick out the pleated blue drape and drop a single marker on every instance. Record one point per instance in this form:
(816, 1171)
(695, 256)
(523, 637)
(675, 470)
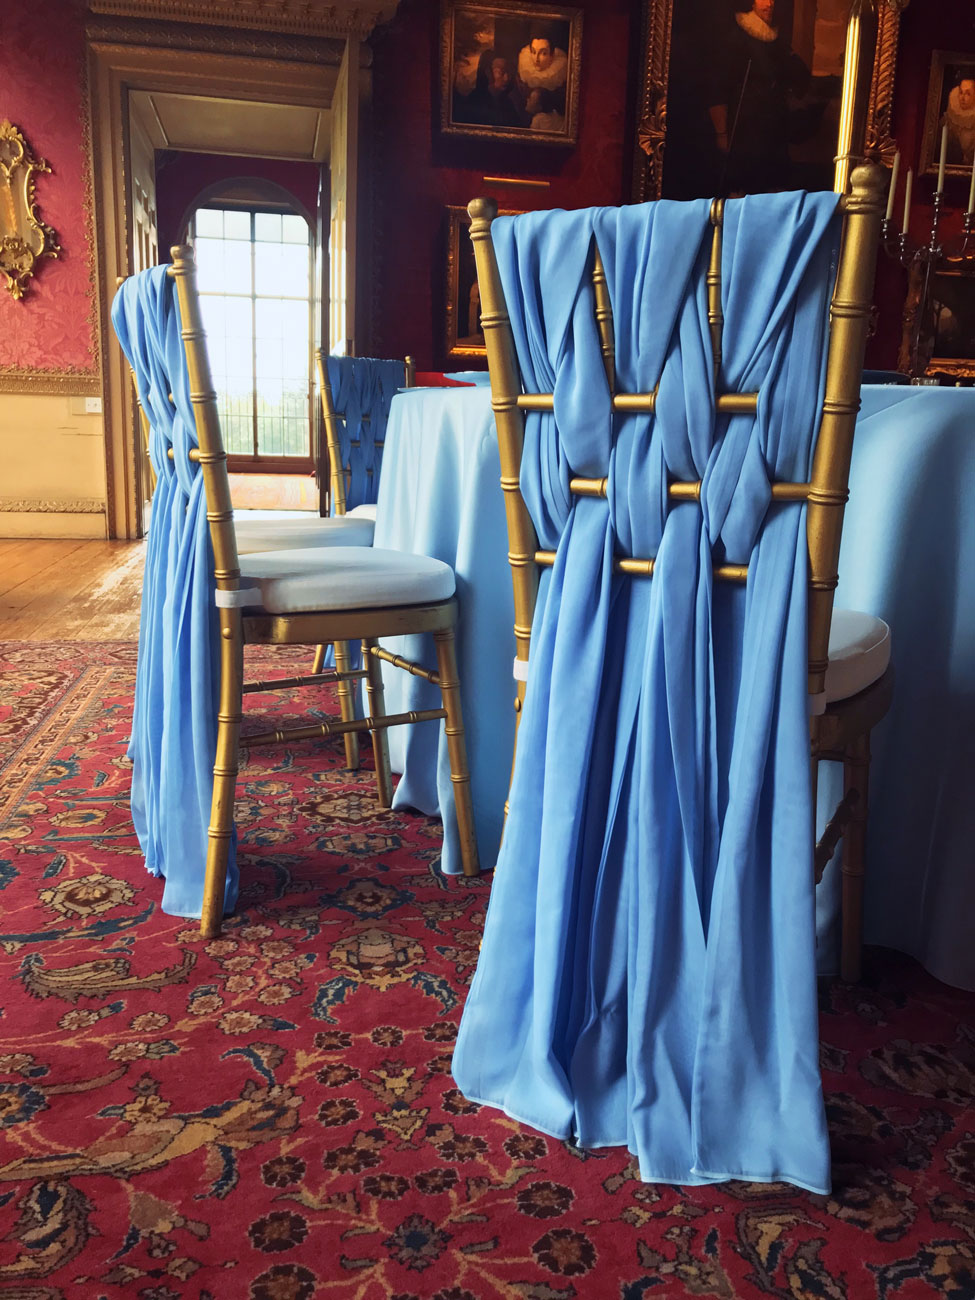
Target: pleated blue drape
(362, 389)
(647, 974)
(174, 724)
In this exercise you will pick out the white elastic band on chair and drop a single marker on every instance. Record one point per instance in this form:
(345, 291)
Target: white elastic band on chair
(817, 704)
(237, 599)
(519, 670)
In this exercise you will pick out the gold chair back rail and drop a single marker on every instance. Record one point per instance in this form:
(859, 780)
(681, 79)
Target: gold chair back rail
(639, 568)
(635, 403)
(599, 487)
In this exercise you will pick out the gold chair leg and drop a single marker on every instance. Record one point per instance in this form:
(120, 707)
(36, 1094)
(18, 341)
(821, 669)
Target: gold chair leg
(224, 774)
(856, 773)
(347, 704)
(380, 737)
(318, 663)
(456, 748)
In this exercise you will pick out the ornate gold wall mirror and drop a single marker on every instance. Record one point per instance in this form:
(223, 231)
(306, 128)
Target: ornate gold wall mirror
(740, 96)
(24, 237)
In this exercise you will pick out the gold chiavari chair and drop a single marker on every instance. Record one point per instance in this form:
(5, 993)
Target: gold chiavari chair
(333, 486)
(284, 598)
(279, 531)
(858, 696)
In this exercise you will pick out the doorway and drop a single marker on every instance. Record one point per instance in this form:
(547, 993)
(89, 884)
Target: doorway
(146, 99)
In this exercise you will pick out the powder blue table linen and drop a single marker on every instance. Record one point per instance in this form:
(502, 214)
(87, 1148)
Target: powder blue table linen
(174, 724)
(647, 975)
(908, 556)
(908, 553)
(440, 496)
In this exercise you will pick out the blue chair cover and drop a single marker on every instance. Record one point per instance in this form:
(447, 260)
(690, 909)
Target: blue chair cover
(362, 386)
(174, 723)
(647, 974)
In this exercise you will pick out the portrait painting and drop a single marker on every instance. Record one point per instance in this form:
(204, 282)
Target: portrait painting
(510, 71)
(463, 335)
(951, 104)
(939, 325)
(742, 96)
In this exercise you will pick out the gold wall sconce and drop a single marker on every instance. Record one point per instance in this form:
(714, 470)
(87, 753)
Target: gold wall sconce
(24, 237)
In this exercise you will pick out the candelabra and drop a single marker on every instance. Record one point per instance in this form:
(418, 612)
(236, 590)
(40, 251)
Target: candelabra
(923, 258)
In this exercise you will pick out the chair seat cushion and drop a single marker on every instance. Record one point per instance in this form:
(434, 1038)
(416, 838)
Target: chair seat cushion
(286, 532)
(859, 652)
(343, 577)
(367, 511)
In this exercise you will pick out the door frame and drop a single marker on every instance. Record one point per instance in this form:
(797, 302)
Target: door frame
(114, 71)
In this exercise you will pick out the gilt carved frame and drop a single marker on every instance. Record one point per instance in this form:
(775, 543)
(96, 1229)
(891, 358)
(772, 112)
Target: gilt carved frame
(651, 130)
(24, 237)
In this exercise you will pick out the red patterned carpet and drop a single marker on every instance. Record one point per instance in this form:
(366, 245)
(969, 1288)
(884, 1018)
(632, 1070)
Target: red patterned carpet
(270, 1115)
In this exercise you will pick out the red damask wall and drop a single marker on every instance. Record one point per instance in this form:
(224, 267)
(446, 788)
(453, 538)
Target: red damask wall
(53, 328)
(416, 173)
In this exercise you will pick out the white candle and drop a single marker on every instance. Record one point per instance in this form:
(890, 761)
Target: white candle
(941, 163)
(894, 171)
(971, 192)
(907, 197)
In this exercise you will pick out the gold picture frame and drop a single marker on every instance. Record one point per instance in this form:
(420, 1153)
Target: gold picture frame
(663, 57)
(463, 337)
(24, 237)
(510, 71)
(939, 325)
(952, 76)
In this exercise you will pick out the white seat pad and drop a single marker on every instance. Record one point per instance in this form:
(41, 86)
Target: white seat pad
(859, 652)
(367, 511)
(286, 533)
(343, 577)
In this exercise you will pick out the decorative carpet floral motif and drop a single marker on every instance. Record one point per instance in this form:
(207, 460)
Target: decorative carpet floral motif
(270, 1115)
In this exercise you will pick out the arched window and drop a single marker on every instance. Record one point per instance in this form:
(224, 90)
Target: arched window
(256, 268)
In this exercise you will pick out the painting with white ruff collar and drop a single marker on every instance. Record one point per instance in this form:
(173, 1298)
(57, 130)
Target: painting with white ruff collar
(510, 71)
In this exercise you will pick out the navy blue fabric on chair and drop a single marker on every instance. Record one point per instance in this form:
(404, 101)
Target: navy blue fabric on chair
(362, 389)
(647, 975)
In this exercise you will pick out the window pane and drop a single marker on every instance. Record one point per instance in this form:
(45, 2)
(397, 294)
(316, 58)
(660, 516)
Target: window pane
(294, 271)
(213, 311)
(295, 437)
(269, 366)
(237, 267)
(267, 227)
(268, 311)
(254, 280)
(210, 265)
(294, 229)
(236, 225)
(267, 269)
(209, 222)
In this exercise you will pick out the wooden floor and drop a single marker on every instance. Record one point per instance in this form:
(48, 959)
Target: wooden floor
(70, 590)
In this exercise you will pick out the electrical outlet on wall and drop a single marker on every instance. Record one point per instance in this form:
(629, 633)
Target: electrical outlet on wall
(79, 405)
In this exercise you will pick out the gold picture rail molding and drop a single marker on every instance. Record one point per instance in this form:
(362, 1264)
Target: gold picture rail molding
(37, 382)
(516, 182)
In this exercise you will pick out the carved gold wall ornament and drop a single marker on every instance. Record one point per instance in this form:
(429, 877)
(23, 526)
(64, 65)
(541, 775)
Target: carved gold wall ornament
(24, 237)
